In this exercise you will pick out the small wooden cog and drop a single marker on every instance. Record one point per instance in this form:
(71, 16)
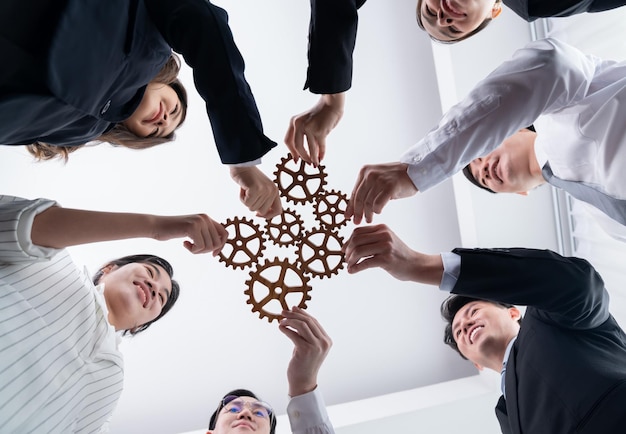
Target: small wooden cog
(284, 229)
(320, 253)
(244, 245)
(330, 207)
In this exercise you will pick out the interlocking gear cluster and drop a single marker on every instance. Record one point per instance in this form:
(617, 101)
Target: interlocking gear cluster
(277, 284)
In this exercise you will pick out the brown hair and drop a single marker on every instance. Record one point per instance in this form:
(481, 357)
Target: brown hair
(119, 135)
(481, 26)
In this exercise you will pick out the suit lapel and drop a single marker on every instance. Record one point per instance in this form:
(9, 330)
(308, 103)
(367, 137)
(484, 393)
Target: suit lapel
(511, 403)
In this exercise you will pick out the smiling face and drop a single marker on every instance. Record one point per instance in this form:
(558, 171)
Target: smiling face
(451, 20)
(159, 113)
(236, 418)
(482, 331)
(512, 167)
(135, 293)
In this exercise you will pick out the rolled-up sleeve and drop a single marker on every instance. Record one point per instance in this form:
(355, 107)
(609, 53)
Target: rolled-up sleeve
(16, 223)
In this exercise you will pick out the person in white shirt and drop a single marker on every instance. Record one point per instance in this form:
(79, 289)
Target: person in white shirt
(241, 410)
(60, 367)
(577, 104)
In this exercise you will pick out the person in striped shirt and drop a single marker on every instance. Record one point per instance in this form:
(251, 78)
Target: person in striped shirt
(60, 367)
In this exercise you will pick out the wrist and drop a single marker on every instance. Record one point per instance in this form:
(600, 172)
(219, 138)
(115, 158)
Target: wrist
(335, 100)
(301, 389)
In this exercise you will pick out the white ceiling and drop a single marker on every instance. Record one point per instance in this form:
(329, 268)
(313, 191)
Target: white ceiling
(386, 333)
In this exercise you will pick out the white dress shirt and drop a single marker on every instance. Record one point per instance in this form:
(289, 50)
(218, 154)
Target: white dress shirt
(307, 414)
(60, 369)
(577, 103)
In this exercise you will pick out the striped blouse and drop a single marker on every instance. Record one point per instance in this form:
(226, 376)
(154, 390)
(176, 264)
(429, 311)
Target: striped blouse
(60, 369)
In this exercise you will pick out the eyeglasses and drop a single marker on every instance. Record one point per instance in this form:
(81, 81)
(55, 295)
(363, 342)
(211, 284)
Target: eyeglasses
(234, 404)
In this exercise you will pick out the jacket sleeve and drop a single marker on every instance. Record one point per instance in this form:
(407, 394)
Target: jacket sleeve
(562, 290)
(199, 31)
(332, 37)
(541, 78)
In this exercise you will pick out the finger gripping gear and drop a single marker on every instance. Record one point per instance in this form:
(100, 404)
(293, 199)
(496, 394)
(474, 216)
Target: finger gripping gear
(275, 286)
(244, 245)
(281, 283)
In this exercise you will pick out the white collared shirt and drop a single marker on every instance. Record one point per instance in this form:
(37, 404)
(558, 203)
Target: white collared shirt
(60, 368)
(576, 101)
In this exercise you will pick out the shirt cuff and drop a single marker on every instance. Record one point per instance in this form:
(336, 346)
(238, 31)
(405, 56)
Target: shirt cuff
(247, 163)
(451, 271)
(25, 227)
(307, 411)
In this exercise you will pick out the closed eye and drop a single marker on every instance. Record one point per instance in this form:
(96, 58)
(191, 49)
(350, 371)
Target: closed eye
(429, 12)
(154, 133)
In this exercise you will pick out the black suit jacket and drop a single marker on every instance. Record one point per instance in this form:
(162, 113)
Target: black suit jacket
(332, 36)
(566, 372)
(530, 10)
(99, 57)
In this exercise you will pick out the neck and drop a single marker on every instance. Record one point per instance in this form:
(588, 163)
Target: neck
(534, 167)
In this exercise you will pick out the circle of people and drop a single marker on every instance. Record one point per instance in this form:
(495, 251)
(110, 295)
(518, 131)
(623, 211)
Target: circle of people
(544, 116)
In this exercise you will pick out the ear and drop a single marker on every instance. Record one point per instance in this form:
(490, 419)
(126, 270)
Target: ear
(496, 10)
(477, 366)
(515, 313)
(107, 269)
(522, 193)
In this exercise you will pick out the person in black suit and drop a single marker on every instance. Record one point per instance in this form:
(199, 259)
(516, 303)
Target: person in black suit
(76, 70)
(563, 368)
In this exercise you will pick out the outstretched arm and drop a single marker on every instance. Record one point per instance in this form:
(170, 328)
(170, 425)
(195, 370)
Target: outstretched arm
(58, 227)
(306, 409)
(378, 246)
(311, 345)
(541, 78)
(332, 37)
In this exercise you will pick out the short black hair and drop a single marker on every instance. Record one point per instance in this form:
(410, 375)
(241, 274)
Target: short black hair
(470, 176)
(239, 392)
(451, 306)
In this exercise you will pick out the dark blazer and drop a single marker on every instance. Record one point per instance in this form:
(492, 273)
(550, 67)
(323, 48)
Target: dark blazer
(101, 56)
(566, 372)
(332, 36)
(531, 10)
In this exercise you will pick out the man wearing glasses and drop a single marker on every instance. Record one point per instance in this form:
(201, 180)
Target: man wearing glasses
(241, 411)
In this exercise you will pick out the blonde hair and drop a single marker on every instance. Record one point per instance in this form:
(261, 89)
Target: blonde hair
(119, 135)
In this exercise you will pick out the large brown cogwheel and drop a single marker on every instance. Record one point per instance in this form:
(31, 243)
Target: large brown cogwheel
(275, 286)
(330, 207)
(299, 182)
(244, 245)
(284, 229)
(317, 255)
